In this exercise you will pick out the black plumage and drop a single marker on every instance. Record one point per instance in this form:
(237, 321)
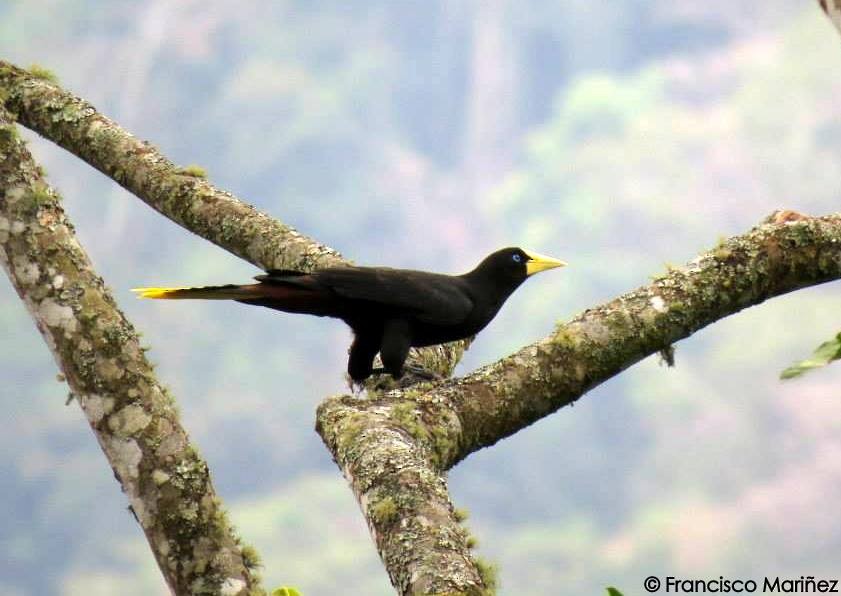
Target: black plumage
(389, 310)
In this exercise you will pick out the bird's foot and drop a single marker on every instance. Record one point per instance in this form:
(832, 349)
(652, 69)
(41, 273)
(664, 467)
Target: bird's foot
(355, 387)
(410, 375)
(422, 373)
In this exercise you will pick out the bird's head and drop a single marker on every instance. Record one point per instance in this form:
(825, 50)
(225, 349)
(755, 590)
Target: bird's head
(512, 266)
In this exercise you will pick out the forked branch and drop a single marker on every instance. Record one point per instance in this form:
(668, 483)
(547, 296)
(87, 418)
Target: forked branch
(134, 419)
(177, 193)
(394, 448)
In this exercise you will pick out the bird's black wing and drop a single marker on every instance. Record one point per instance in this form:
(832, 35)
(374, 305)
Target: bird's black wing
(278, 274)
(429, 297)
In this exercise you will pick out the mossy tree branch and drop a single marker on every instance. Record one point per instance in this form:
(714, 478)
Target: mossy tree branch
(133, 417)
(832, 8)
(785, 253)
(181, 194)
(394, 448)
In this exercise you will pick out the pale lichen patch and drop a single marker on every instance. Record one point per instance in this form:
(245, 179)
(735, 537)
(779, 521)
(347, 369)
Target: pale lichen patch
(231, 586)
(131, 350)
(57, 315)
(96, 406)
(15, 193)
(126, 456)
(596, 330)
(160, 477)
(26, 271)
(163, 545)
(171, 444)
(657, 303)
(190, 511)
(139, 509)
(129, 421)
(108, 368)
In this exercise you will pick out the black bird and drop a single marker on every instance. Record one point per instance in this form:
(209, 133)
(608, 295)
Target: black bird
(389, 310)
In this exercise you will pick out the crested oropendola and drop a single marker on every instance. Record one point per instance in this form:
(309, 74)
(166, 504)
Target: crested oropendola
(389, 310)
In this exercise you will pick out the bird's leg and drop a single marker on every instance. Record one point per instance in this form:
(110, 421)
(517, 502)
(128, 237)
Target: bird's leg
(395, 346)
(421, 372)
(355, 387)
(411, 375)
(412, 369)
(361, 359)
(394, 350)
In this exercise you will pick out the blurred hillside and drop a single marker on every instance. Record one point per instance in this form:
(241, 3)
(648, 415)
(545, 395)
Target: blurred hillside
(426, 134)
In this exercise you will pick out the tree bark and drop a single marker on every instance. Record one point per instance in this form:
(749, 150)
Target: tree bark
(132, 415)
(181, 195)
(177, 193)
(832, 8)
(394, 448)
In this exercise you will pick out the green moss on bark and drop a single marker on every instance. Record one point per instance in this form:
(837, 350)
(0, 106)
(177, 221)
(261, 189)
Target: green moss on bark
(166, 482)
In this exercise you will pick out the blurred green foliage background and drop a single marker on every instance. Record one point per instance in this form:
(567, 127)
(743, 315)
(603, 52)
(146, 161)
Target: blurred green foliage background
(426, 134)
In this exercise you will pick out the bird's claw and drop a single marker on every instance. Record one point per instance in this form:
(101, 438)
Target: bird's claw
(410, 375)
(421, 373)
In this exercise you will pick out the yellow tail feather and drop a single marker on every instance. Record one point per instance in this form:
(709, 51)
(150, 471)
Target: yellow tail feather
(229, 292)
(163, 293)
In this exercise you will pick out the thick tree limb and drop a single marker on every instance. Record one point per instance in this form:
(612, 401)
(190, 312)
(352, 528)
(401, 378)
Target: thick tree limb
(131, 414)
(392, 448)
(832, 8)
(196, 205)
(140, 168)
(188, 200)
(382, 448)
(770, 260)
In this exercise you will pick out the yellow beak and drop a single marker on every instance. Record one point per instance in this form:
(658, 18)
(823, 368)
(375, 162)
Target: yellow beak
(538, 263)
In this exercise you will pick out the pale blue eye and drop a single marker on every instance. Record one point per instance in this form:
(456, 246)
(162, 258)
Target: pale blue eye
(517, 258)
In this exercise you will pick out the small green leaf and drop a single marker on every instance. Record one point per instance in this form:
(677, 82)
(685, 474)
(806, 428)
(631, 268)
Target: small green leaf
(823, 355)
(284, 591)
(193, 171)
(39, 72)
(611, 591)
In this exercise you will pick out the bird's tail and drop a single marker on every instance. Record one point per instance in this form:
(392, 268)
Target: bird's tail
(229, 292)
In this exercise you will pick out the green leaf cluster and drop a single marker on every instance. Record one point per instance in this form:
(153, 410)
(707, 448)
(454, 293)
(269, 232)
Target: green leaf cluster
(823, 355)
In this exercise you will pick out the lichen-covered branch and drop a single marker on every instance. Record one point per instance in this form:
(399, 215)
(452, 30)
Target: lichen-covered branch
(832, 8)
(134, 419)
(393, 447)
(785, 253)
(436, 426)
(188, 199)
(402, 495)
(181, 194)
